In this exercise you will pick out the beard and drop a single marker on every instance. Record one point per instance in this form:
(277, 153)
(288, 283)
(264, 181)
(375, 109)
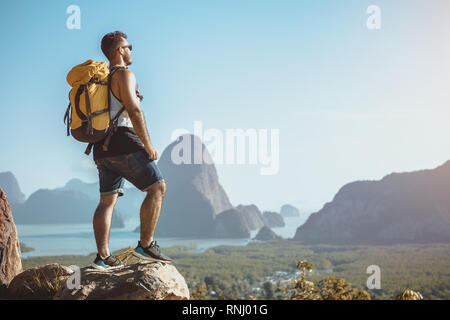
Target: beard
(128, 60)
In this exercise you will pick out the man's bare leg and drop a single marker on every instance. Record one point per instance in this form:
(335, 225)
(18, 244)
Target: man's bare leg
(150, 210)
(102, 223)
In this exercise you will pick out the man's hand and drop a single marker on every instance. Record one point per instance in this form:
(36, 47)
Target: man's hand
(152, 153)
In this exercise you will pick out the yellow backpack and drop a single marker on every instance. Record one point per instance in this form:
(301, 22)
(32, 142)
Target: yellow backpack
(88, 113)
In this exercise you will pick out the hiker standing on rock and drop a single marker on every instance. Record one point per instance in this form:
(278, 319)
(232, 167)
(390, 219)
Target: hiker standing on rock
(130, 155)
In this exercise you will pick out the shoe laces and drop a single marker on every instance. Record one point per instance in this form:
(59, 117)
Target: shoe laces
(112, 259)
(154, 244)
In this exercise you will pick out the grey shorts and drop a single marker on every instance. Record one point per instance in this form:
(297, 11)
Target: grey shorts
(136, 167)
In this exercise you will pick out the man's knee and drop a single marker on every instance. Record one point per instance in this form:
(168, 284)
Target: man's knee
(159, 188)
(108, 200)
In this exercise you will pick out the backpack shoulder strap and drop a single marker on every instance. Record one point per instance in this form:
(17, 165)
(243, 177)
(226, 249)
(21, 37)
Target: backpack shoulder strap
(113, 69)
(113, 123)
(111, 72)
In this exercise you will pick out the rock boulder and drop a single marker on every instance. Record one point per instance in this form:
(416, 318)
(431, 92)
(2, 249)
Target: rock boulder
(138, 281)
(38, 283)
(10, 258)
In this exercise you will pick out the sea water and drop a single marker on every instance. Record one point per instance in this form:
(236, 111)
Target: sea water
(78, 239)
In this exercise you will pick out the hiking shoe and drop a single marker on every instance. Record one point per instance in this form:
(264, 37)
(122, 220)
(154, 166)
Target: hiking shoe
(107, 264)
(151, 253)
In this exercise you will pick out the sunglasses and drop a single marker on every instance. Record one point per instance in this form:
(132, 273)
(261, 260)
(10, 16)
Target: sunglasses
(129, 46)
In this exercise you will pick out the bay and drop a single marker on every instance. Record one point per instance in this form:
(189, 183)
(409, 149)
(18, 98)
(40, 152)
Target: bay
(78, 239)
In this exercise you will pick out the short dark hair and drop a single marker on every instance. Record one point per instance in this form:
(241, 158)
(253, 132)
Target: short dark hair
(110, 42)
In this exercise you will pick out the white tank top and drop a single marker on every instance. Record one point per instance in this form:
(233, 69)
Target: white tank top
(124, 119)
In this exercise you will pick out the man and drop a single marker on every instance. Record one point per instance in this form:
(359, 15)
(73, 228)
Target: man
(130, 156)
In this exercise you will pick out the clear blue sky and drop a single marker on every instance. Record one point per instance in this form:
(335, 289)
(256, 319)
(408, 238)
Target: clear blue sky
(350, 103)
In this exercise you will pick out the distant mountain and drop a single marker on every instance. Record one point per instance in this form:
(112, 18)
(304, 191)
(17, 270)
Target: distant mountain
(231, 224)
(59, 207)
(412, 207)
(194, 195)
(191, 207)
(273, 219)
(266, 234)
(129, 204)
(252, 216)
(288, 210)
(90, 189)
(10, 186)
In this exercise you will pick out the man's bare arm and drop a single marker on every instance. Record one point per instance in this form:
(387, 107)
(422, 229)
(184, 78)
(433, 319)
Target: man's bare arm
(127, 91)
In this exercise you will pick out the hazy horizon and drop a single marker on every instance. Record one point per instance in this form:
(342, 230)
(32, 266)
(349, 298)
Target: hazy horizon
(350, 103)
